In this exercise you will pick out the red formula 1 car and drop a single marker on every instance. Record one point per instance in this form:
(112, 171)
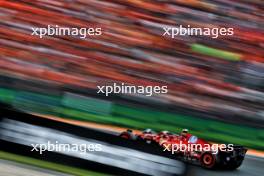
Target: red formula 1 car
(191, 149)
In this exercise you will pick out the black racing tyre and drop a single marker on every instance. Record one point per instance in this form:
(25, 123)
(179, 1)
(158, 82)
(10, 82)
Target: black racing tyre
(208, 161)
(125, 135)
(128, 135)
(148, 141)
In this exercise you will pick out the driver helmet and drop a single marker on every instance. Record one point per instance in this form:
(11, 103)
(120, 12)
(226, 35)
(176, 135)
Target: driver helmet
(148, 131)
(184, 132)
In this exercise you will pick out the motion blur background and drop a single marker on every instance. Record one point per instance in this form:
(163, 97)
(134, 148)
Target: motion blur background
(215, 85)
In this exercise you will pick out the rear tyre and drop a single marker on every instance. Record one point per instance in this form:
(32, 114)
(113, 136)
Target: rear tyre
(207, 160)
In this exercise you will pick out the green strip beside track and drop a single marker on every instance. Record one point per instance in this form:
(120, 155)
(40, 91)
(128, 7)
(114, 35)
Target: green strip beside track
(48, 165)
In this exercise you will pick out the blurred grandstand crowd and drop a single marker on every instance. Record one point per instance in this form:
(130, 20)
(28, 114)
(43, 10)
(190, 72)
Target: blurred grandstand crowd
(223, 76)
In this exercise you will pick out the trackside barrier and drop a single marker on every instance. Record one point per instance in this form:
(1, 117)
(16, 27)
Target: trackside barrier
(116, 156)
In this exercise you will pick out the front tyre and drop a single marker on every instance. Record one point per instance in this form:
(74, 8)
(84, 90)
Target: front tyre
(125, 135)
(128, 135)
